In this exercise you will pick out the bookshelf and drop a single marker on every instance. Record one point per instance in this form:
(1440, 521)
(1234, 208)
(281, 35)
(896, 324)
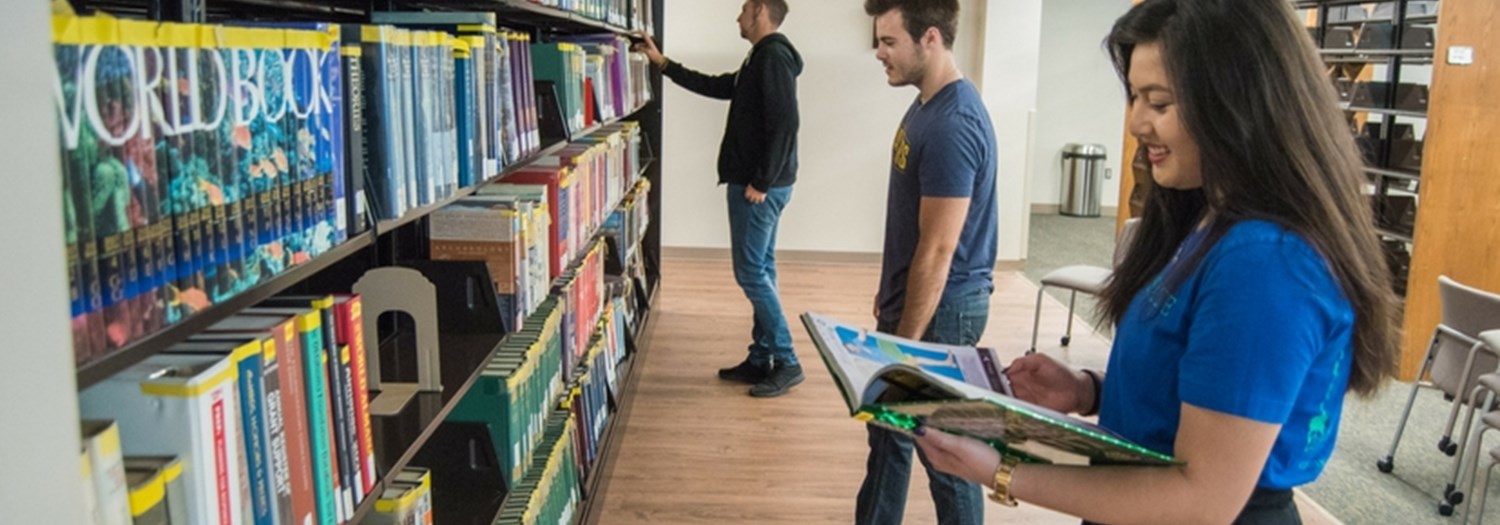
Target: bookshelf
(403, 241)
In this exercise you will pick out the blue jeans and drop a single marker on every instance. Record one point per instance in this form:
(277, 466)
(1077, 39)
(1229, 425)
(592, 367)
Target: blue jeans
(882, 497)
(752, 239)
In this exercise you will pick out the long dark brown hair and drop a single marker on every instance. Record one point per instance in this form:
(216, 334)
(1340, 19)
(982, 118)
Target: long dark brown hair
(1274, 146)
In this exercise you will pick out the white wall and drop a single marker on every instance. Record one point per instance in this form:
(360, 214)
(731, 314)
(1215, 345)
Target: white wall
(38, 399)
(1010, 64)
(1080, 98)
(849, 117)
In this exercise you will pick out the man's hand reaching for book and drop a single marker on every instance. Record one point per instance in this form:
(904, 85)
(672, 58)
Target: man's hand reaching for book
(1042, 380)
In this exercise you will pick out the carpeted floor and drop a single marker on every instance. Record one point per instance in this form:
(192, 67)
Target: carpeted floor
(1351, 488)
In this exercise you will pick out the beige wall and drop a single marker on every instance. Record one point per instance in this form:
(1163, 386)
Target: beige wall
(849, 116)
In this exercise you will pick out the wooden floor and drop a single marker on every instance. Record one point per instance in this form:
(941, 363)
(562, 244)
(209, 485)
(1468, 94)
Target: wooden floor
(696, 449)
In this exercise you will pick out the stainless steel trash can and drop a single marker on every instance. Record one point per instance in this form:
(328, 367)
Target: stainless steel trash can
(1083, 178)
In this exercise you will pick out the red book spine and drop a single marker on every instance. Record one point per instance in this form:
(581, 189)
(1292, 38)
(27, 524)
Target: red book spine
(351, 332)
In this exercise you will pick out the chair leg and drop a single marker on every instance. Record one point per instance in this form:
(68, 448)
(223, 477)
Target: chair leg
(1465, 444)
(1479, 517)
(1446, 444)
(1036, 320)
(1068, 335)
(1388, 464)
(1469, 462)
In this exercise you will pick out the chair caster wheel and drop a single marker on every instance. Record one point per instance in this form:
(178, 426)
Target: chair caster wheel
(1066, 340)
(1448, 446)
(1456, 498)
(1386, 465)
(1445, 509)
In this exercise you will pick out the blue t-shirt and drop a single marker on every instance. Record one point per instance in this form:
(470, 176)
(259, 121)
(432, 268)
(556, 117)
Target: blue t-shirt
(944, 148)
(1260, 330)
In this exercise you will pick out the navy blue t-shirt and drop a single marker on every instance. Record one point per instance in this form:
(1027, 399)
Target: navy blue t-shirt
(1259, 330)
(944, 148)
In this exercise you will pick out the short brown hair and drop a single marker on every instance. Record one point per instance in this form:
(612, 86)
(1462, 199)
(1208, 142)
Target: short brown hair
(776, 8)
(920, 15)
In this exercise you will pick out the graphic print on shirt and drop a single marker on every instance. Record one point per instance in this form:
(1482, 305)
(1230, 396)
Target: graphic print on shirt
(900, 149)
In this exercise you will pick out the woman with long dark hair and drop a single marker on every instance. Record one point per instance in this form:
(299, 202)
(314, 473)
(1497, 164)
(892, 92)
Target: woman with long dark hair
(1254, 297)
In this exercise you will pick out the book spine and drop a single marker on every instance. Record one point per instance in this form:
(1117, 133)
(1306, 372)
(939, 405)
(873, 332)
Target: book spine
(332, 164)
(212, 173)
(467, 112)
(277, 456)
(340, 406)
(352, 322)
(315, 364)
(215, 445)
(77, 156)
(110, 185)
(355, 140)
(413, 141)
(236, 270)
(107, 472)
(254, 435)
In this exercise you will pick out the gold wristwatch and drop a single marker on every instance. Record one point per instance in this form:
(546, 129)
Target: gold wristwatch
(1001, 484)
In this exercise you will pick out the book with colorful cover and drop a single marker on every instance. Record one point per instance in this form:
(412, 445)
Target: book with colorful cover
(341, 394)
(72, 48)
(899, 383)
(287, 456)
(315, 363)
(350, 327)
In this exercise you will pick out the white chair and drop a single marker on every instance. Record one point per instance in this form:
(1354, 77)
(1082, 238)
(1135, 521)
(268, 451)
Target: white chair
(1455, 359)
(1081, 278)
(1465, 469)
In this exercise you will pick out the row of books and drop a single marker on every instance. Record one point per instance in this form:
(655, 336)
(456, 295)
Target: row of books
(595, 386)
(551, 491)
(535, 222)
(517, 389)
(266, 412)
(197, 162)
(202, 160)
(486, 115)
(594, 78)
(630, 14)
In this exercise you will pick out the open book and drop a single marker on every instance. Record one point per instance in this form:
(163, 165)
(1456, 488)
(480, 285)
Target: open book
(890, 382)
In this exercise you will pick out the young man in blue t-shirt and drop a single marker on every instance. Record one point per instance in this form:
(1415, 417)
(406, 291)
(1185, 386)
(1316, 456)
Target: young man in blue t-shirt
(940, 232)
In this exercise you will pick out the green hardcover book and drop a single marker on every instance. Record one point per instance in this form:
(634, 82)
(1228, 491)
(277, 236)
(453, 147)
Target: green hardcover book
(891, 382)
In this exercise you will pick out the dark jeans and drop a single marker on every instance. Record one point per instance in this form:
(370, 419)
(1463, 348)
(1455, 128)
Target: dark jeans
(1266, 507)
(882, 497)
(752, 240)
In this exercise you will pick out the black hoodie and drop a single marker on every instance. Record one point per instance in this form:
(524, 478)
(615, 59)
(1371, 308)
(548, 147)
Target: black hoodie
(760, 138)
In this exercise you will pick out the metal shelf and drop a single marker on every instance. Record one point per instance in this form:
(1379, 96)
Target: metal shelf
(1384, 111)
(1394, 174)
(1393, 235)
(1427, 53)
(104, 367)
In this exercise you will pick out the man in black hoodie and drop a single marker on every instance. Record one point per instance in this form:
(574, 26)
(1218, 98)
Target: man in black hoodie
(758, 163)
